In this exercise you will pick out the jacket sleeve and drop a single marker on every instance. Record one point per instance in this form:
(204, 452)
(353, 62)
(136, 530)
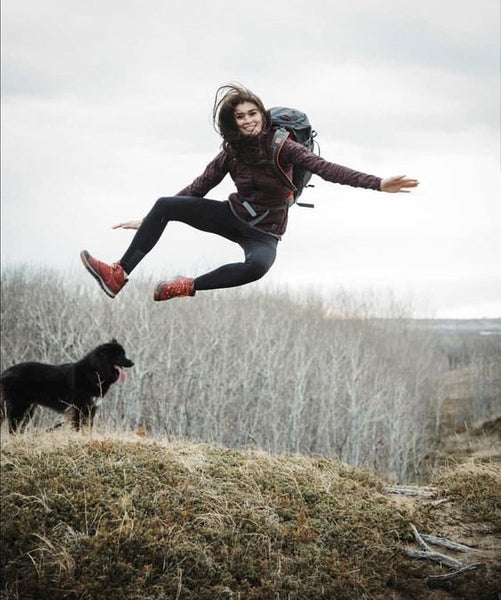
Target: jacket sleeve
(213, 175)
(296, 154)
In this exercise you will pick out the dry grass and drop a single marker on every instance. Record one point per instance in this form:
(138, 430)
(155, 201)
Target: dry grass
(476, 490)
(100, 517)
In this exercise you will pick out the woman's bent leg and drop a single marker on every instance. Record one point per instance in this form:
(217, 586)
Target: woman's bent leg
(260, 255)
(201, 213)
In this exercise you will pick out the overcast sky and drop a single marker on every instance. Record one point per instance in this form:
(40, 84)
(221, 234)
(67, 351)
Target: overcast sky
(106, 106)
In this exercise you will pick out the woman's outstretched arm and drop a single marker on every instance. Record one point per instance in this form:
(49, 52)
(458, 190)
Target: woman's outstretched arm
(398, 183)
(128, 225)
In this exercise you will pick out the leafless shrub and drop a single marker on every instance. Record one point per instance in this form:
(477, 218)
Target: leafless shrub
(243, 367)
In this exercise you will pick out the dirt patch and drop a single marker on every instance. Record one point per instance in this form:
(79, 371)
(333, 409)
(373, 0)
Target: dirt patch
(463, 506)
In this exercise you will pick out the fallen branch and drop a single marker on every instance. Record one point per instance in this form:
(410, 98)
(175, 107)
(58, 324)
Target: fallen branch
(408, 490)
(435, 503)
(428, 554)
(419, 539)
(438, 541)
(446, 576)
(436, 557)
(422, 492)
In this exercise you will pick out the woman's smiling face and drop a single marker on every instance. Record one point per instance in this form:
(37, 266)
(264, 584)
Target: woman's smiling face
(248, 118)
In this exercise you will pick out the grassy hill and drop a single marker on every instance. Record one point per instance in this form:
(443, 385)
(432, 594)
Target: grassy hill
(131, 518)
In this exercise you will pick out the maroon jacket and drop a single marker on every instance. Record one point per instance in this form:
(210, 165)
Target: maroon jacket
(259, 186)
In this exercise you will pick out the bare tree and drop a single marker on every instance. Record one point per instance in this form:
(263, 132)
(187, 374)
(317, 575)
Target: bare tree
(347, 377)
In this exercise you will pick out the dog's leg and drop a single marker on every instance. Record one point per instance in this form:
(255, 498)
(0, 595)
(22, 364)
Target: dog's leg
(82, 416)
(76, 418)
(87, 414)
(91, 415)
(19, 416)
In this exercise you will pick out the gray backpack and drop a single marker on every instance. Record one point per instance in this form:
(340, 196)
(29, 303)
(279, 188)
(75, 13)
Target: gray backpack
(294, 123)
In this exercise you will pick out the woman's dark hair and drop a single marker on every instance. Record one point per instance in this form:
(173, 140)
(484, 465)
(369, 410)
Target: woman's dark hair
(228, 97)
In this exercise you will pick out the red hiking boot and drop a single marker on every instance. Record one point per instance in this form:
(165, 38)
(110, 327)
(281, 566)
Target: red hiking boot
(111, 278)
(183, 286)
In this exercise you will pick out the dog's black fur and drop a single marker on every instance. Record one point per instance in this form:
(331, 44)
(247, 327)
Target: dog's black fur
(72, 388)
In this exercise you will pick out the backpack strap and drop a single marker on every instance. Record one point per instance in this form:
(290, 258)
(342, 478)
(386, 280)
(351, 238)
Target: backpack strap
(277, 143)
(255, 217)
(279, 138)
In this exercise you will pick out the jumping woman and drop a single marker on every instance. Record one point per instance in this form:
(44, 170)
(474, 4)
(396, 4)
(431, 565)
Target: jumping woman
(255, 216)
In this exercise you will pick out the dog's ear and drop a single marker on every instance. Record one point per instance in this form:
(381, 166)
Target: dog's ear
(114, 341)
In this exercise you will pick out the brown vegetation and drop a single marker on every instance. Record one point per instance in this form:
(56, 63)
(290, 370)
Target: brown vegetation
(98, 517)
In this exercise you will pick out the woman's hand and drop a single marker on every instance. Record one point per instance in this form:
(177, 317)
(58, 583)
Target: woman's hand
(398, 183)
(128, 225)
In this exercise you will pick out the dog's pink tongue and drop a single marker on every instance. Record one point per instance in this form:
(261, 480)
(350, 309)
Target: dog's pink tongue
(122, 374)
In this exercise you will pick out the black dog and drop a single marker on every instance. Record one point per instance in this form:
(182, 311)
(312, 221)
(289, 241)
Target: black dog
(72, 388)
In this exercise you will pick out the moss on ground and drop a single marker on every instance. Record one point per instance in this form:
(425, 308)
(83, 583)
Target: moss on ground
(86, 518)
(476, 490)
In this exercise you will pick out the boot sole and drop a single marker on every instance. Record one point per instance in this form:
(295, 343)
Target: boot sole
(102, 285)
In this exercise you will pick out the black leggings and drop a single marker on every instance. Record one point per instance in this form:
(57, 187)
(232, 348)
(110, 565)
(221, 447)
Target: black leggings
(214, 217)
